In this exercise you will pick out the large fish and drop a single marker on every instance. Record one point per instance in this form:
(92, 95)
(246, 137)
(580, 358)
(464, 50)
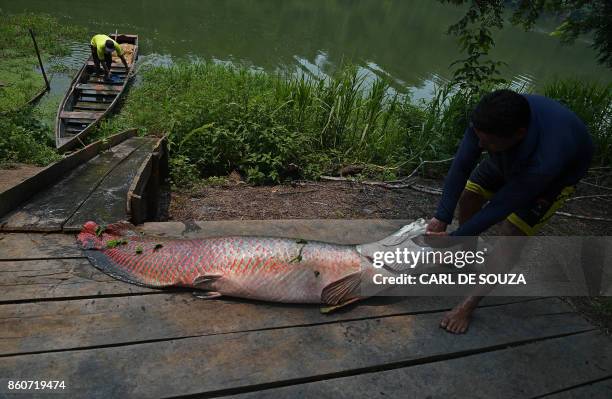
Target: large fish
(262, 268)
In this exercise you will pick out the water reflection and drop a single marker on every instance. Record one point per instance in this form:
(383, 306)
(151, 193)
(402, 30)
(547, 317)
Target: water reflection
(401, 40)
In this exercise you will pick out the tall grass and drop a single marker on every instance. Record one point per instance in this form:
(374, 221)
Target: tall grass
(223, 118)
(270, 127)
(18, 62)
(22, 137)
(25, 139)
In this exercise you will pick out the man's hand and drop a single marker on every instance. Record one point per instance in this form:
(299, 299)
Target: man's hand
(436, 235)
(435, 227)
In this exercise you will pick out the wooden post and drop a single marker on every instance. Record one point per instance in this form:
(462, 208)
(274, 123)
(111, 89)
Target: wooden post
(42, 68)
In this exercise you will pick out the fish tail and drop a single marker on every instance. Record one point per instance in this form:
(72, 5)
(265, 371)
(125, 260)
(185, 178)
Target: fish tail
(407, 232)
(416, 228)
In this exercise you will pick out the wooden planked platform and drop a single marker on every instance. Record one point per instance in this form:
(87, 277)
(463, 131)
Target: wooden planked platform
(62, 319)
(96, 190)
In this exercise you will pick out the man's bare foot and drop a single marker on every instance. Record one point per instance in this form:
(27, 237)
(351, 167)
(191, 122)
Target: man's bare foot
(457, 320)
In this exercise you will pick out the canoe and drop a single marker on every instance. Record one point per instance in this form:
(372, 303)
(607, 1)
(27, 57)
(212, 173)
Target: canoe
(90, 97)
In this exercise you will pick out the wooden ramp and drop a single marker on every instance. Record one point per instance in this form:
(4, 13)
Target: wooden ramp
(62, 319)
(99, 188)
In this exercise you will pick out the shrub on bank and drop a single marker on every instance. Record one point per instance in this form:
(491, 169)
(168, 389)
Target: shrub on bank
(272, 127)
(25, 139)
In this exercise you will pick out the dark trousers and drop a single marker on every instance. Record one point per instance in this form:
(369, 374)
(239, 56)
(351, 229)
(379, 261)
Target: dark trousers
(108, 58)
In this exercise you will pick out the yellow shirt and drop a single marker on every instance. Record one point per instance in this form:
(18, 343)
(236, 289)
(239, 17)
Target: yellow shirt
(99, 42)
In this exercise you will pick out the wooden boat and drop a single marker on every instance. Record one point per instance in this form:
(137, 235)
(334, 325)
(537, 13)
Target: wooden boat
(90, 97)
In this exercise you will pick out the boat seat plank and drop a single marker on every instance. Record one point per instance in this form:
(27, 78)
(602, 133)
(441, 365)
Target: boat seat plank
(97, 79)
(99, 92)
(97, 87)
(94, 100)
(118, 65)
(88, 106)
(91, 115)
(74, 121)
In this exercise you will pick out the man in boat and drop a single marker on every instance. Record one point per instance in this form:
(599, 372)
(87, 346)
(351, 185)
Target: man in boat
(538, 150)
(102, 48)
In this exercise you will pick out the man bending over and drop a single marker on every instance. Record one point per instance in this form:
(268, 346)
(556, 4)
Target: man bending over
(537, 151)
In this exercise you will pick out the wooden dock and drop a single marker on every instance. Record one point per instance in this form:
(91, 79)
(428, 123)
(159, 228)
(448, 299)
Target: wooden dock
(62, 319)
(105, 181)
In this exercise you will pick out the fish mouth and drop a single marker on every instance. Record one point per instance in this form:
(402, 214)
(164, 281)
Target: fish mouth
(89, 238)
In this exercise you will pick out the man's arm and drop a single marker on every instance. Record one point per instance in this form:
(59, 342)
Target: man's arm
(465, 159)
(105, 67)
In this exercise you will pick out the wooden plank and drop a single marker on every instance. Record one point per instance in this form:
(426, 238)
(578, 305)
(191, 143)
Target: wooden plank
(95, 100)
(600, 389)
(114, 65)
(72, 130)
(78, 121)
(230, 361)
(339, 231)
(99, 93)
(107, 203)
(48, 210)
(521, 372)
(100, 79)
(14, 246)
(91, 115)
(90, 105)
(105, 321)
(136, 204)
(98, 87)
(11, 198)
(54, 278)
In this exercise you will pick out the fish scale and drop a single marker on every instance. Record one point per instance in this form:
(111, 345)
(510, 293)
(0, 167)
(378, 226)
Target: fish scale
(263, 268)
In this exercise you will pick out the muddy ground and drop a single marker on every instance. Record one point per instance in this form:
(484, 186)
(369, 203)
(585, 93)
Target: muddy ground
(351, 200)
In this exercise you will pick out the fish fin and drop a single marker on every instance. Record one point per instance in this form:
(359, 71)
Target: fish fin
(206, 294)
(337, 292)
(205, 279)
(330, 309)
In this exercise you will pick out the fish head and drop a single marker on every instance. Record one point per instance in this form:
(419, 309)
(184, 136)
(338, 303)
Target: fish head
(90, 236)
(96, 236)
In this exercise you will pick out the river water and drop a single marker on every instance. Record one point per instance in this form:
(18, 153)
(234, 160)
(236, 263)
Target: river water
(401, 40)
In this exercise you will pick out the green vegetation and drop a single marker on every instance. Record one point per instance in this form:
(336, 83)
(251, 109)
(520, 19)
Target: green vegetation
(18, 74)
(25, 139)
(115, 243)
(272, 127)
(269, 127)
